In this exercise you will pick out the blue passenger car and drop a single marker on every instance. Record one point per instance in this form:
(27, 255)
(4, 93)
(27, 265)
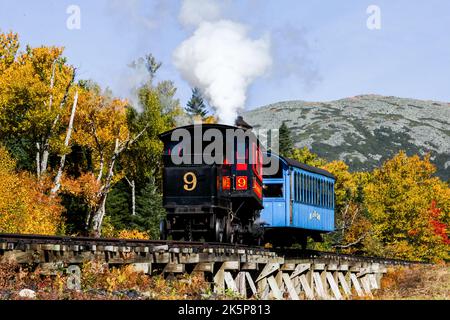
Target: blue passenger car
(298, 202)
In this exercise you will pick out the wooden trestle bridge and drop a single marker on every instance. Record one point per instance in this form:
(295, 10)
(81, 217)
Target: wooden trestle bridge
(250, 271)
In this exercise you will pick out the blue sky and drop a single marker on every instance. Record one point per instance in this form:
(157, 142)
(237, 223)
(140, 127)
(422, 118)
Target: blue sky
(322, 50)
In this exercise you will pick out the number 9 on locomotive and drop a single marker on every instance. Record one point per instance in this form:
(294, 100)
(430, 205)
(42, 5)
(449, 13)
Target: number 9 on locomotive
(190, 181)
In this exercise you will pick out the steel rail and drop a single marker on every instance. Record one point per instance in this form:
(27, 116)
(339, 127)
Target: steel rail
(290, 253)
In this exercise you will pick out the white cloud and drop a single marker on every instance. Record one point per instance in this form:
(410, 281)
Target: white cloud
(194, 12)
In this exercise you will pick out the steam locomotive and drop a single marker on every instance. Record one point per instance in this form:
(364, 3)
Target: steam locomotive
(219, 184)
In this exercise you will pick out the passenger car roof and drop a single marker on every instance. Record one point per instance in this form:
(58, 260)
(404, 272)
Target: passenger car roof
(297, 164)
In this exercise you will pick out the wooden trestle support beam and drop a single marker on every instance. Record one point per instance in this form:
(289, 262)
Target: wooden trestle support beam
(258, 273)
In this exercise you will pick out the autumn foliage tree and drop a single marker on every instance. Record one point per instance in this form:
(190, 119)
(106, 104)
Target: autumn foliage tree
(35, 94)
(352, 224)
(101, 126)
(24, 205)
(409, 209)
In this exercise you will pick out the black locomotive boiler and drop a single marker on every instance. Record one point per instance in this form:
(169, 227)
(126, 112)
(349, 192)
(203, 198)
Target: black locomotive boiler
(212, 184)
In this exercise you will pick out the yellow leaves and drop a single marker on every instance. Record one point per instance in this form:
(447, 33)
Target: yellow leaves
(108, 231)
(99, 276)
(32, 88)
(346, 182)
(9, 44)
(99, 123)
(207, 120)
(398, 198)
(7, 163)
(24, 206)
(210, 119)
(133, 234)
(306, 156)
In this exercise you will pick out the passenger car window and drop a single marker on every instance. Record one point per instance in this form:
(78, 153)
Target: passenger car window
(274, 190)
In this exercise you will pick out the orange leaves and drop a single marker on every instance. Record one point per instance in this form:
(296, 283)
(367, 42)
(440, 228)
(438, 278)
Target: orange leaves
(439, 228)
(24, 206)
(430, 282)
(85, 186)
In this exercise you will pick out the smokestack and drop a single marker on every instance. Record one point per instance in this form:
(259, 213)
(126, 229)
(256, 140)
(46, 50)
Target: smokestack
(240, 123)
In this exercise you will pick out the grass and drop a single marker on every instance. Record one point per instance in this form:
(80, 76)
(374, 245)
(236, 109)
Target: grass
(99, 282)
(416, 283)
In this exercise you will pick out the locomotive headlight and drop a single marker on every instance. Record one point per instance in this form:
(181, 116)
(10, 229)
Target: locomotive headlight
(226, 183)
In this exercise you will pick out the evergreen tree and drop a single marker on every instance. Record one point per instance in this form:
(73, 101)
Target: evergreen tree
(286, 144)
(118, 206)
(196, 105)
(149, 210)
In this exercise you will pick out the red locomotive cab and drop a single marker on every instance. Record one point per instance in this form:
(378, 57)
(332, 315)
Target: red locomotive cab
(241, 172)
(247, 171)
(257, 167)
(241, 157)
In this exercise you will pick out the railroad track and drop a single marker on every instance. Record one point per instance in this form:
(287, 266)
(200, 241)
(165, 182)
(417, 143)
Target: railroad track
(266, 273)
(290, 253)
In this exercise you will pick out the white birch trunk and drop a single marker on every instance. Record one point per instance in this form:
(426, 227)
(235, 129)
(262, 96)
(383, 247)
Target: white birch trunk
(46, 145)
(96, 218)
(57, 183)
(100, 172)
(38, 160)
(133, 198)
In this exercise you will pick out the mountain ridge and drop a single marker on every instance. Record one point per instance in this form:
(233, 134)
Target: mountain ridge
(364, 130)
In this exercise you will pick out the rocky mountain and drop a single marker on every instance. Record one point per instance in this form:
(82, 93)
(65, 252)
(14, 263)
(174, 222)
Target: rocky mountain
(364, 130)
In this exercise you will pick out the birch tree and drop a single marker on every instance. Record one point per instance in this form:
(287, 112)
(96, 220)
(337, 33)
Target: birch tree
(101, 126)
(35, 89)
(57, 182)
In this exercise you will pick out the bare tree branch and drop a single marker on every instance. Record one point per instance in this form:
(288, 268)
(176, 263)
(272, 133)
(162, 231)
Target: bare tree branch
(351, 243)
(129, 142)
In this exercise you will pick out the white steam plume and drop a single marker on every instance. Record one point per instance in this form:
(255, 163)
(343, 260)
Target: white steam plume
(220, 59)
